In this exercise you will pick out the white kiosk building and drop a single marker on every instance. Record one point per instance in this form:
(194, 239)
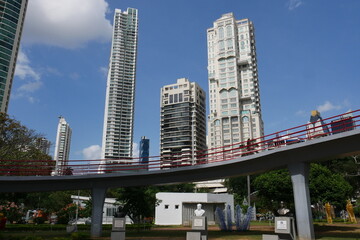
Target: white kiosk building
(178, 208)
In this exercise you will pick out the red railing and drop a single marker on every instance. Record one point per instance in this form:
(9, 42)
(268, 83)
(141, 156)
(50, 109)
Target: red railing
(306, 132)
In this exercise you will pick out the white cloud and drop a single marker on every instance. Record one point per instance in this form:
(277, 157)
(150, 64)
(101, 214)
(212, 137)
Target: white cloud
(66, 23)
(135, 152)
(30, 86)
(328, 106)
(74, 76)
(23, 69)
(103, 71)
(301, 113)
(292, 4)
(30, 78)
(91, 153)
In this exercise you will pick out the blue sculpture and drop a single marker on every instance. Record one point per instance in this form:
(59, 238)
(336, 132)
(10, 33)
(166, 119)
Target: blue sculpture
(220, 215)
(228, 218)
(242, 221)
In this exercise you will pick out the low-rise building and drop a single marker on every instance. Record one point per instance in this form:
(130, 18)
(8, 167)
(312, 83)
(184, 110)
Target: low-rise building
(178, 208)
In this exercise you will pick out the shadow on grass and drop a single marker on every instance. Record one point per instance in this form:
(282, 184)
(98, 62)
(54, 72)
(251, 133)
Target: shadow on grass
(328, 231)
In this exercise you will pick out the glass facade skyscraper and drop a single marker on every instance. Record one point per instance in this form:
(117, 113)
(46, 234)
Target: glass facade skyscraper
(117, 139)
(235, 110)
(183, 124)
(12, 15)
(144, 151)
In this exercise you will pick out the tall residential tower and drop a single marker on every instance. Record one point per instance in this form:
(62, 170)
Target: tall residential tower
(12, 15)
(120, 91)
(62, 146)
(235, 110)
(183, 124)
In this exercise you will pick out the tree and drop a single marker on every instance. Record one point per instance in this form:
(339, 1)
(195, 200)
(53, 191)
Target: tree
(274, 187)
(20, 152)
(238, 187)
(349, 168)
(138, 202)
(325, 186)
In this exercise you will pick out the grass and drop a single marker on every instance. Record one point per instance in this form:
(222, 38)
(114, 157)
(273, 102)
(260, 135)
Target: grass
(338, 231)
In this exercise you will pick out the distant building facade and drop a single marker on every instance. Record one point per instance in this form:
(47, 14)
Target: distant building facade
(43, 145)
(183, 124)
(235, 110)
(62, 146)
(12, 16)
(144, 151)
(117, 142)
(343, 124)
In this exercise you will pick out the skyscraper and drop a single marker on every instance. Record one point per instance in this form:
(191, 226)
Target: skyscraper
(12, 15)
(62, 146)
(43, 145)
(144, 151)
(120, 91)
(235, 110)
(183, 124)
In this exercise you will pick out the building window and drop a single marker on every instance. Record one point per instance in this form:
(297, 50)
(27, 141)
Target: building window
(228, 31)
(221, 33)
(166, 206)
(175, 98)
(176, 206)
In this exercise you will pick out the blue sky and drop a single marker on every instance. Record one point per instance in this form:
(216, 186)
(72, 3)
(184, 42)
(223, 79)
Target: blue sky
(308, 58)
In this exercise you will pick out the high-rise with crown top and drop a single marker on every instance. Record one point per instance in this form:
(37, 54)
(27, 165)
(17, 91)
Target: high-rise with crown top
(235, 110)
(12, 15)
(120, 91)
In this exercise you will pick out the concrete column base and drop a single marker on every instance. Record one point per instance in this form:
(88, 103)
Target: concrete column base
(98, 198)
(300, 181)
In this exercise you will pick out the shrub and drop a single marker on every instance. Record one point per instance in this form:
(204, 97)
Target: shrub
(79, 236)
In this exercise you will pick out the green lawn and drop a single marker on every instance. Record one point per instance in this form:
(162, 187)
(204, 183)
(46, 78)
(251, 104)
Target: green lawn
(44, 232)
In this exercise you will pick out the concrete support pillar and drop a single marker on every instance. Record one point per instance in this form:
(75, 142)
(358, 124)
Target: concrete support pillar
(300, 181)
(98, 198)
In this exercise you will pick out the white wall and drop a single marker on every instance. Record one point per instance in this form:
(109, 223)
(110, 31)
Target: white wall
(173, 216)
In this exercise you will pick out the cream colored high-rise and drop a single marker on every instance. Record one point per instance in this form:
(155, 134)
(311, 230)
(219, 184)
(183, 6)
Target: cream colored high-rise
(62, 146)
(235, 110)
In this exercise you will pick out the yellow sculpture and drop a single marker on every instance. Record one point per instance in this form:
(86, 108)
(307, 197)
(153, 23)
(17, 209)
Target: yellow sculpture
(328, 212)
(350, 210)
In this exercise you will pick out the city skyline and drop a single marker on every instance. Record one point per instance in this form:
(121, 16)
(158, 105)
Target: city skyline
(296, 57)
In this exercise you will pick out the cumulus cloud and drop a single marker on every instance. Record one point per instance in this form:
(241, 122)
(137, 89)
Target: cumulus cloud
(92, 152)
(31, 78)
(328, 106)
(23, 69)
(66, 23)
(103, 71)
(292, 4)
